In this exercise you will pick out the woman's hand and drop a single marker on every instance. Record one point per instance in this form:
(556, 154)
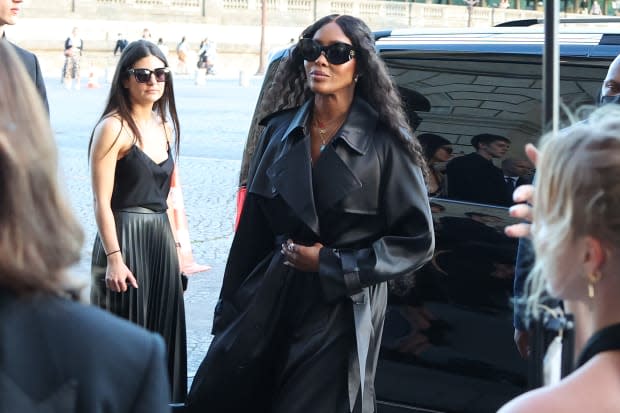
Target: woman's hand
(525, 195)
(117, 275)
(300, 257)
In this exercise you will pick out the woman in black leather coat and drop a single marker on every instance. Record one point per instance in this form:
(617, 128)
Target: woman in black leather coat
(336, 206)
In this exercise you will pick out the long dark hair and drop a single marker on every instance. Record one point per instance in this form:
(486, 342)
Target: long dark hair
(290, 87)
(118, 100)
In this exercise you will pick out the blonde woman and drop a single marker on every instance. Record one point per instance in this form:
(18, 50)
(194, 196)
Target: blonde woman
(55, 353)
(576, 236)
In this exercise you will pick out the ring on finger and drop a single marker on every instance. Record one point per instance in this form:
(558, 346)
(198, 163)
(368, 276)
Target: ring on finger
(291, 247)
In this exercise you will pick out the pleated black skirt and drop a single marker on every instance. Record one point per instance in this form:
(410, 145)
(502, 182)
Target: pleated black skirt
(149, 251)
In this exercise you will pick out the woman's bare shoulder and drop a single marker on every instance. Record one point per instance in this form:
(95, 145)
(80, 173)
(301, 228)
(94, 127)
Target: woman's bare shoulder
(109, 125)
(112, 131)
(539, 400)
(588, 389)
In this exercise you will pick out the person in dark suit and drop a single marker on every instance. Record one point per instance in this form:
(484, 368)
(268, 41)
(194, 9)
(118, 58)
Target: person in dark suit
(474, 177)
(516, 172)
(8, 16)
(56, 355)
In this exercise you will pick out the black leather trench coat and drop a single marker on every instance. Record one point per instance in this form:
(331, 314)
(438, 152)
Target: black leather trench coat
(365, 200)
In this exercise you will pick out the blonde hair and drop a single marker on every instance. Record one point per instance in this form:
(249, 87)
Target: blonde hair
(39, 235)
(577, 192)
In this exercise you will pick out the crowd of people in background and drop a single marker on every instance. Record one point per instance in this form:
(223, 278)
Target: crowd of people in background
(186, 60)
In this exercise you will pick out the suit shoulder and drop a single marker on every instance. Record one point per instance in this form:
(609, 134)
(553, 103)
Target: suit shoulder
(95, 324)
(25, 55)
(461, 161)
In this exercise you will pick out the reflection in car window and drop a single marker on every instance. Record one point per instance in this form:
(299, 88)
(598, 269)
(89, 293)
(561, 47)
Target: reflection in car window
(462, 97)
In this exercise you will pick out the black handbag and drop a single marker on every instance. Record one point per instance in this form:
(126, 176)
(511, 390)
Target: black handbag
(235, 374)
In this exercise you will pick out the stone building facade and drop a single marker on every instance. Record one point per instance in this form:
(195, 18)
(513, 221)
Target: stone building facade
(234, 25)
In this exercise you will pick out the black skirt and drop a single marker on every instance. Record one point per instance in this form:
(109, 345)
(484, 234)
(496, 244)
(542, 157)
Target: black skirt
(149, 251)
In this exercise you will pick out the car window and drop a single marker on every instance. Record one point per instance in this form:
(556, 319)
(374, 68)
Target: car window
(491, 99)
(449, 325)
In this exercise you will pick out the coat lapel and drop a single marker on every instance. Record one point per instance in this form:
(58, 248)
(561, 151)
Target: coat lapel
(335, 172)
(333, 179)
(306, 189)
(291, 176)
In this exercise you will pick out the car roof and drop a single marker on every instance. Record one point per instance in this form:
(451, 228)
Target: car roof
(590, 41)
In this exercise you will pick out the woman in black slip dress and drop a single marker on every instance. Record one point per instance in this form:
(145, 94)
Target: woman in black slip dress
(135, 266)
(576, 236)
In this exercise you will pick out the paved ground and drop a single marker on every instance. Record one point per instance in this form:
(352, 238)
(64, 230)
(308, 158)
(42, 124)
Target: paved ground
(214, 122)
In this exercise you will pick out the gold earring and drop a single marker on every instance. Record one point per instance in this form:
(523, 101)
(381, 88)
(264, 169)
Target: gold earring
(593, 278)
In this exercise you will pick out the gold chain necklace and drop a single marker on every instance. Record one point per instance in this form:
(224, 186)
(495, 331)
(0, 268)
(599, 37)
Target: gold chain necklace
(326, 133)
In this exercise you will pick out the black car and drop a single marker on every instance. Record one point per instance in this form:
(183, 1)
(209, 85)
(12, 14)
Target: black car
(448, 339)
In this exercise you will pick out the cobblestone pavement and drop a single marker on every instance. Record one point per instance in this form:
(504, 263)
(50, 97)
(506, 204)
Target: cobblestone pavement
(214, 122)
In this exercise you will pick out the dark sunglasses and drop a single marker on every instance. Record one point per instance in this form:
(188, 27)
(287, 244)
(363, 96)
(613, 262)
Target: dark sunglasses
(144, 75)
(447, 149)
(336, 54)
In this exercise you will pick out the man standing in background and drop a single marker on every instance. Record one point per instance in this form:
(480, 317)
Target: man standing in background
(9, 10)
(121, 43)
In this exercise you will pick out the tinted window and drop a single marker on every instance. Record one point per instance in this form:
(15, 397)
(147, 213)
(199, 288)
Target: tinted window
(448, 339)
(460, 96)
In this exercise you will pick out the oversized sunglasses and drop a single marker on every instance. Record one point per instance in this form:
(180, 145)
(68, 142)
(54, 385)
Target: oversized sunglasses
(336, 54)
(144, 75)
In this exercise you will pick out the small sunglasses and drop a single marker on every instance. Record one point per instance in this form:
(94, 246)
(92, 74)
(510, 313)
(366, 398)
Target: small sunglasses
(336, 54)
(144, 75)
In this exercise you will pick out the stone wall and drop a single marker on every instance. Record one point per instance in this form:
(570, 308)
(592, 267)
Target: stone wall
(233, 24)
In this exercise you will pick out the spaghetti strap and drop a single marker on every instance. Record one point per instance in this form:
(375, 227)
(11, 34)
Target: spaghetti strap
(167, 138)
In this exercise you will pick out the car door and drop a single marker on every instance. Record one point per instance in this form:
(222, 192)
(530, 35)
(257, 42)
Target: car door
(448, 339)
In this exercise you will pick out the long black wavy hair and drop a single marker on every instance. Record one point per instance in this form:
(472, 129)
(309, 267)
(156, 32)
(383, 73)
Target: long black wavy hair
(290, 85)
(118, 102)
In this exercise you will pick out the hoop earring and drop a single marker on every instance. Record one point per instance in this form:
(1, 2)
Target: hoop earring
(593, 278)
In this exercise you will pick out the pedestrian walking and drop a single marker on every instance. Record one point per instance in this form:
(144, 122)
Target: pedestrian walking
(182, 56)
(336, 206)
(56, 354)
(135, 264)
(121, 44)
(146, 34)
(73, 53)
(163, 47)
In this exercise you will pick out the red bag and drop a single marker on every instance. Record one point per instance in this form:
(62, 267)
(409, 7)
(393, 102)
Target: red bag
(241, 192)
(188, 265)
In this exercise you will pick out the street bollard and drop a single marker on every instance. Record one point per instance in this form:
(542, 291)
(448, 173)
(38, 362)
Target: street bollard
(244, 81)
